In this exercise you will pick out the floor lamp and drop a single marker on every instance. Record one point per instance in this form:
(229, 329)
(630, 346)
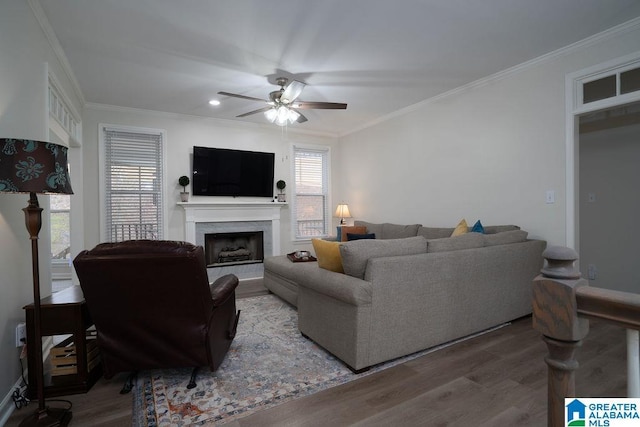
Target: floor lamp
(33, 167)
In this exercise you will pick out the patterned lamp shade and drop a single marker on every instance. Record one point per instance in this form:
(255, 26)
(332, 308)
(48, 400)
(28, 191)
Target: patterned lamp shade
(28, 166)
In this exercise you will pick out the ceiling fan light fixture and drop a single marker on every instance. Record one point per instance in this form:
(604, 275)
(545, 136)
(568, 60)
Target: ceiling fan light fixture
(271, 114)
(214, 102)
(282, 104)
(281, 115)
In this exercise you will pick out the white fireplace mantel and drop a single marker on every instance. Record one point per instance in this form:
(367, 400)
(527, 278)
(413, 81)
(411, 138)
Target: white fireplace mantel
(232, 211)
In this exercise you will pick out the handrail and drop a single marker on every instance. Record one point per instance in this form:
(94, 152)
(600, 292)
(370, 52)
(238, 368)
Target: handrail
(620, 308)
(562, 304)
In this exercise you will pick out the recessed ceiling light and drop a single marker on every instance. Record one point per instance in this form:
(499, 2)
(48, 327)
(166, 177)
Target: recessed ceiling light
(214, 102)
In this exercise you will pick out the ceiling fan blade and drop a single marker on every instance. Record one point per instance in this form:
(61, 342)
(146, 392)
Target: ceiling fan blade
(259, 110)
(301, 118)
(235, 95)
(320, 105)
(292, 91)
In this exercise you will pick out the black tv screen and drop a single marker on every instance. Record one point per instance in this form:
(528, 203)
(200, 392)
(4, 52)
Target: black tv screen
(225, 172)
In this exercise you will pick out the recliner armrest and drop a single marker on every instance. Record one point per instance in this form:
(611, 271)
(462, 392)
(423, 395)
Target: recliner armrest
(223, 288)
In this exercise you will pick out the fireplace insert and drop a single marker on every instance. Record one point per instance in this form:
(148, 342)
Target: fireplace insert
(233, 248)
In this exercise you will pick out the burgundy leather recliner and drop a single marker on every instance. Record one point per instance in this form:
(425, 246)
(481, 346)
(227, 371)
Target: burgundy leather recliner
(153, 306)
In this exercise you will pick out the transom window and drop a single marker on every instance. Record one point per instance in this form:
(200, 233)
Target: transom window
(624, 81)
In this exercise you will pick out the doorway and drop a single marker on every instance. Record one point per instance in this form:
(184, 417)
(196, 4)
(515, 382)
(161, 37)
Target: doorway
(599, 88)
(608, 199)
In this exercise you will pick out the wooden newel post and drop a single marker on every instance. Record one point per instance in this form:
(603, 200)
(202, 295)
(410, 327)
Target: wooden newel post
(555, 316)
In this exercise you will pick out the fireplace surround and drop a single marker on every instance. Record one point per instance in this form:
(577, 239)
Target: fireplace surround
(212, 217)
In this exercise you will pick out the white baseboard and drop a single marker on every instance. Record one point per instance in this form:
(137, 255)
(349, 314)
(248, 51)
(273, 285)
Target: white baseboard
(7, 406)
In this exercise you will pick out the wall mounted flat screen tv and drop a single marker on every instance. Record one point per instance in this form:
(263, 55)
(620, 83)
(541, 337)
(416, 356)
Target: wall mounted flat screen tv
(237, 173)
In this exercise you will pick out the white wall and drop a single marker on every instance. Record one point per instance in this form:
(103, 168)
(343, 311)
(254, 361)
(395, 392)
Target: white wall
(609, 233)
(24, 53)
(488, 152)
(183, 132)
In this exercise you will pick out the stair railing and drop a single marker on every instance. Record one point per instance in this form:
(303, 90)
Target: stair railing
(562, 304)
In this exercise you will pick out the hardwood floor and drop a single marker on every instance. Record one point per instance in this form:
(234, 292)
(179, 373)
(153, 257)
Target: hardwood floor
(497, 379)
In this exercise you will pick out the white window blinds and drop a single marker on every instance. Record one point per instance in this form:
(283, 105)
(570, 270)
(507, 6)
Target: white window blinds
(311, 201)
(133, 185)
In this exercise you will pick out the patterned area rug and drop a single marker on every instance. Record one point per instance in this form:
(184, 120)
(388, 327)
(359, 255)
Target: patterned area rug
(269, 363)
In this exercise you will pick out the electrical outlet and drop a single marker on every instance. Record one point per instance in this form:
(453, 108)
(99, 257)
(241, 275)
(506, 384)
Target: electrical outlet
(21, 334)
(550, 196)
(591, 271)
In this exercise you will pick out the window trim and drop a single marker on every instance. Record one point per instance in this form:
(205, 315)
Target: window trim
(294, 220)
(164, 227)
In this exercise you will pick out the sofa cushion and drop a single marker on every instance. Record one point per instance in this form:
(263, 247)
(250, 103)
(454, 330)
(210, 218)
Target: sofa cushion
(492, 229)
(328, 254)
(461, 228)
(396, 231)
(464, 241)
(505, 237)
(390, 231)
(435, 232)
(353, 229)
(357, 253)
(351, 236)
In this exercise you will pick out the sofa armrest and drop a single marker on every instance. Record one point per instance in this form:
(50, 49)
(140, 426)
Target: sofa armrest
(342, 287)
(223, 288)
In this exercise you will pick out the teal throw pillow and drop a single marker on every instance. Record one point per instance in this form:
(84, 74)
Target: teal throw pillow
(477, 227)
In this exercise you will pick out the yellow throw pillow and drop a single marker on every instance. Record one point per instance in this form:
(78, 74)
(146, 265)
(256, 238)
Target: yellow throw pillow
(328, 254)
(461, 228)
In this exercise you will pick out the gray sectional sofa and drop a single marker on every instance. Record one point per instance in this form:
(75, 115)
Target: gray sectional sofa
(410, 289)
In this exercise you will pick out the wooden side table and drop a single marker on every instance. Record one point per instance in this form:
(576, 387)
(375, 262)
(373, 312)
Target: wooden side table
(64, 312)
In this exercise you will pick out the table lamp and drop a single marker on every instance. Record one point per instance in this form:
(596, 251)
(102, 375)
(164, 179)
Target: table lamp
(342, 212)
(36, 167)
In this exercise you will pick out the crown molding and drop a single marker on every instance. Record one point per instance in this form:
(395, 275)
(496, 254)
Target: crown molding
(41, 17)
(616, 31)
(223, 122)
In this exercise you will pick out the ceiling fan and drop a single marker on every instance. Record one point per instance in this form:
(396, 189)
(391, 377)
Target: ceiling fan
(282, 107)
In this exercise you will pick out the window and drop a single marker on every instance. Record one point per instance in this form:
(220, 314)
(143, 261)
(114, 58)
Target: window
(311, 200)
(625, 80)
(630, 81)
(133, 200)
(64, 128)
(599, 89)
(60, 228)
